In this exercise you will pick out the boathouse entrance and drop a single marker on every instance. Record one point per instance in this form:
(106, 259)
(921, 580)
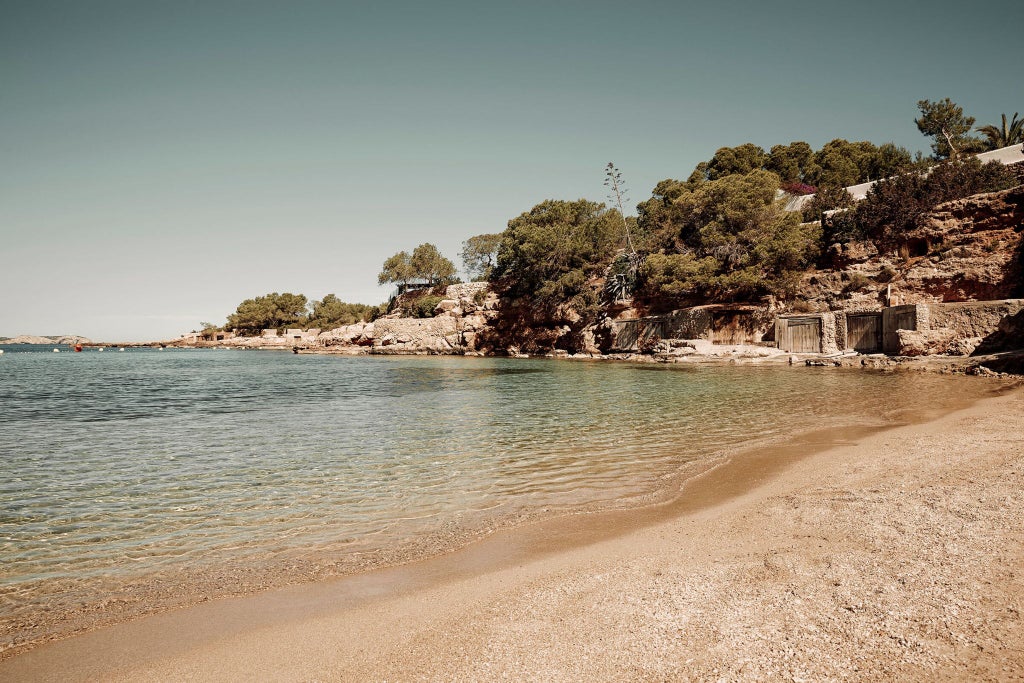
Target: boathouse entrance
(800, 334)
(864, 332)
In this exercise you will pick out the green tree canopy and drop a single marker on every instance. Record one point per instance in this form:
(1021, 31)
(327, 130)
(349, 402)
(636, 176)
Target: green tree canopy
(726, 239)
(269, 311)
(428, 264)
(548, 254)
(839, 163)
(331, 312)
(899, 204)
(736, 160)
(945, 123)
(397, 269)
(790, 162)
(479, 254)
(425, 264)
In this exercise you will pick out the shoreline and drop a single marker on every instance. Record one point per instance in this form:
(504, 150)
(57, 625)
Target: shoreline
(130, 599)
(551, 540)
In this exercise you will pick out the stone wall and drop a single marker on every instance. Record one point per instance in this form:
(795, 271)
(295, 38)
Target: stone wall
(960, 328)
(639, 334)
(973, 318)
(438, 335)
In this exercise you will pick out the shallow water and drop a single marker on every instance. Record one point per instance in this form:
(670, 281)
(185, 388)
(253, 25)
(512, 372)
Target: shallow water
(117, 466)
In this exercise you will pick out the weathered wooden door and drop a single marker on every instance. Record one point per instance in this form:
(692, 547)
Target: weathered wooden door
(864, 332)
(802, 335)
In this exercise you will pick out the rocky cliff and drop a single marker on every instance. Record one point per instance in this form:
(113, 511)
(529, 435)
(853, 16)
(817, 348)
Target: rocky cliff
(465, 312)
(965, 250)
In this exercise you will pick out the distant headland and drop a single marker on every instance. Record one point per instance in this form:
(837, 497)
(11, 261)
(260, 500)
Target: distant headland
(49, 339)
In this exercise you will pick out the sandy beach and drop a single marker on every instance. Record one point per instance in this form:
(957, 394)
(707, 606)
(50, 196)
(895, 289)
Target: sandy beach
(889, 556)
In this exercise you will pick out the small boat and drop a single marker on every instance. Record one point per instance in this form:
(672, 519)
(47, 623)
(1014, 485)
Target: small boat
(56, 350)
(100, 348)
(121, 349)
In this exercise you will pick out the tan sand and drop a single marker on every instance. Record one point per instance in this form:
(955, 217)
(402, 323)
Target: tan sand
(898, 556)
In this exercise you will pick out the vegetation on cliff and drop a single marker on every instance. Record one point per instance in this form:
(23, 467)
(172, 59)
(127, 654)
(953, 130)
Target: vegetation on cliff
(724, 234)
(723, 239)
(425, 264)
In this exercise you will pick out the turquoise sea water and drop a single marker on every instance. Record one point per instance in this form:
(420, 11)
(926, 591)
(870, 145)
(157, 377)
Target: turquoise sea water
(116, 466)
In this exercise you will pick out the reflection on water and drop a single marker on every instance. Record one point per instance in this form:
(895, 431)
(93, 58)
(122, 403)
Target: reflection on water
(124, 464)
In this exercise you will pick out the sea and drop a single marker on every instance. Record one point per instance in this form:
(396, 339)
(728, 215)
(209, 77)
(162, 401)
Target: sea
(128, 478)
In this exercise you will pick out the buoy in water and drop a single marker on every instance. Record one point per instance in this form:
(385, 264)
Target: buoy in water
(78, 348)
(56, 350)
(121, 349)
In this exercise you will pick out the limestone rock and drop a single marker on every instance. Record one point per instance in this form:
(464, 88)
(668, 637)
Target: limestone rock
(924, 342)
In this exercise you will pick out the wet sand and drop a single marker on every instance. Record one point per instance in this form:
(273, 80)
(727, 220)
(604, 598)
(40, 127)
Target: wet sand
(891, 555)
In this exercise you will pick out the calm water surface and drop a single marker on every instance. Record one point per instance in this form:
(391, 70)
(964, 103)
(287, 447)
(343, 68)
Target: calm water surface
(118, 465)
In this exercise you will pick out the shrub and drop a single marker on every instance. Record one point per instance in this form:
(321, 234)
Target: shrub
(424, 306)
(897, 205)
(827, 199)
(886, 274)
(856, 283)
(797, 188)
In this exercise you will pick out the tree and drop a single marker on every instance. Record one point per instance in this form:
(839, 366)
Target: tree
(396, 269)
(790, 162)
(841, 163)
(888, 160)
(428, 264)
(731, 240)
(331, 312)
(736, 161)
(425, 264)
(479, 254)
(945, 122)
(269, 311)
(548, 254)
(617, 195)
(998, 137)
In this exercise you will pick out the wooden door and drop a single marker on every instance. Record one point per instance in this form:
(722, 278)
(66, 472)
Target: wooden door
(802, 335)
(864, 332)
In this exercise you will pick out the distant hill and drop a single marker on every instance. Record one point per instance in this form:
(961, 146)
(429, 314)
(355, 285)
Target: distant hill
(55, 339)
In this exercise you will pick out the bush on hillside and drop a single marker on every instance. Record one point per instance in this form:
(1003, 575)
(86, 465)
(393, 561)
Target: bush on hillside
(898, 205)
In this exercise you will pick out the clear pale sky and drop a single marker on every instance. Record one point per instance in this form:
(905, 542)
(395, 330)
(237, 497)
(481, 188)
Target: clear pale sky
(162, 161)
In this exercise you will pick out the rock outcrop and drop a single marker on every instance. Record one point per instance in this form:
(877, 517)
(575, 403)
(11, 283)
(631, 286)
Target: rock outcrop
(965, 250)
(466, 310)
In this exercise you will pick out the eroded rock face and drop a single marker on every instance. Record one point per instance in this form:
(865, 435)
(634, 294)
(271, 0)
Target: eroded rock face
(965, 250)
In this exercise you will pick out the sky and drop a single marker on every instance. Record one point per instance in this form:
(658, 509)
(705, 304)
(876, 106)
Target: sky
(162, 161)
